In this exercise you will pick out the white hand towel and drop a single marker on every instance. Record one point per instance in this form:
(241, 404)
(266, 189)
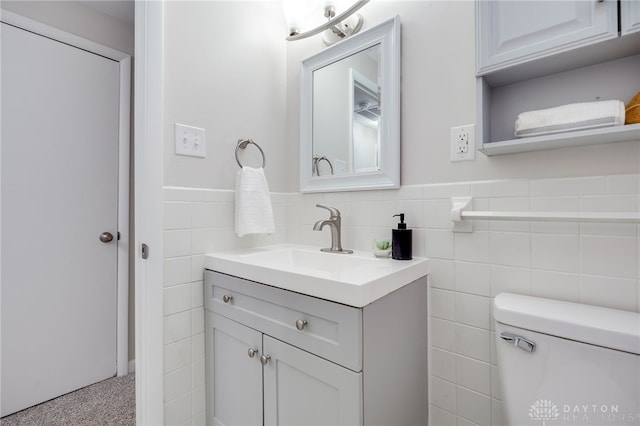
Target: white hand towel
(254, 214)
(565, 118)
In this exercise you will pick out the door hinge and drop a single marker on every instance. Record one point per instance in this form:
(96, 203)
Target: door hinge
(145, 251)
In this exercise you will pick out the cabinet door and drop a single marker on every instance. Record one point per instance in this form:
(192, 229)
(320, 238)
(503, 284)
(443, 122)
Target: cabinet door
(303, 389)
(512, 32)
(234, 379)
(630, 16)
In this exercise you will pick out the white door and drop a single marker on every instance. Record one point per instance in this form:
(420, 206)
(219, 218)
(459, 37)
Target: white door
(234, 393)
(303, 389)
(59, 194)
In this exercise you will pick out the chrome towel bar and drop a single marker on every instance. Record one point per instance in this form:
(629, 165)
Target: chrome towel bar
(242, 144)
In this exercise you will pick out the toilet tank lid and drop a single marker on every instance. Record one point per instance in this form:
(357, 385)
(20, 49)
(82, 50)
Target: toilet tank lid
(610, 328)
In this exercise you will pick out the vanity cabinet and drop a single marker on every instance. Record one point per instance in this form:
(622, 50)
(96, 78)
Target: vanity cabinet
(276, 357)
(540, 54)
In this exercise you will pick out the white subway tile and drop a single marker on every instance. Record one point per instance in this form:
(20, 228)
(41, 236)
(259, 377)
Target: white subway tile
(443, 334)
(510, 248)
(178, 411)
(199, 419)
(443, 364)
(197, 294)
(197, 267)
(443, 394)
(473, 406)
(218, 195)
(609, 292)
(362, 213)
(410, 192)
(496, 387)
(177, 383)
(555, 252)
(556, 204)
(609, 229)
(461, 421)
(442, 274)
(474, 278)
(204, 215)
(438, 243)
(198, 405)
(205, 240)
(419, 242)
(176, 193)
(443, 304)
(176, 243)
(473, 342)
(177, 355)
(571, 186)
(383, 212)
(623, 184)
(500, 188)
(177, 327)
(555, 285)
(197, 373)
(609, 203)
(413, 213)
(497, 413)
(446, 190)
(176, 270)
(197, 320)
(481, 204)
(473, 374)
(610, 256)
(226, 215)
(197, 347)
(512, 204)
(494, 348)
(177, 215)
(440, 417)
(510, 280)
(472, 247)
(176, 299)
(473, 310)
(437, 214)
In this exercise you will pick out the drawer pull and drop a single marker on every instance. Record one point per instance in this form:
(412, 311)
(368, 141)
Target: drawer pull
(264, 359)
(301, 324)
(252, 352)
(227, 298)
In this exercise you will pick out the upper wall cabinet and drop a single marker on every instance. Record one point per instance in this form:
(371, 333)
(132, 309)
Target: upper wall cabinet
(513, 32)
(533, 55)
(629, 16)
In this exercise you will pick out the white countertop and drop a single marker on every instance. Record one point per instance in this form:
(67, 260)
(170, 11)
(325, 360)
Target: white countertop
(356, 279)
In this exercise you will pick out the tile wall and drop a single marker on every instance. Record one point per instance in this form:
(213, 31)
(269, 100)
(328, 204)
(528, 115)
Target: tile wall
(590, 263)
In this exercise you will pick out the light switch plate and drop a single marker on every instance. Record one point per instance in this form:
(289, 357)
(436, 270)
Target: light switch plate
(190, 141)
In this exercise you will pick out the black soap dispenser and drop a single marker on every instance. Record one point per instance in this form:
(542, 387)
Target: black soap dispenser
(401, 240)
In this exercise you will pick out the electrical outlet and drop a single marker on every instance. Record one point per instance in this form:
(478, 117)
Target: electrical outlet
(463, 143)
(190, 141)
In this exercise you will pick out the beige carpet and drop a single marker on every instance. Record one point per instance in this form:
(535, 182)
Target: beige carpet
(108, 403)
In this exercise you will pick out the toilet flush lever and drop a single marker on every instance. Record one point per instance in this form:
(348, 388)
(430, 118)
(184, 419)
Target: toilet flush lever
(518, 341)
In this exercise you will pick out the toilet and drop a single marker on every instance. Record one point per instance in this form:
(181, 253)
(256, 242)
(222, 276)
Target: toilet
(563, 363)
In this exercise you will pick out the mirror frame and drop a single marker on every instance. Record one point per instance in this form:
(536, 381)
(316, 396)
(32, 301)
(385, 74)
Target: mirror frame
(387, 35)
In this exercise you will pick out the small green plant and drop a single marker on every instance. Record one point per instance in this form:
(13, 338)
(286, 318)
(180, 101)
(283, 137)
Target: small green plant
(383, 244)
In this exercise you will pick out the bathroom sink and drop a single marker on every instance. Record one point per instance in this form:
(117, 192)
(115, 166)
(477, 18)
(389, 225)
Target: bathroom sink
(354, 279)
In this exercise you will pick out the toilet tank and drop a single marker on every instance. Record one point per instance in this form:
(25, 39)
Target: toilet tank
(563, 363)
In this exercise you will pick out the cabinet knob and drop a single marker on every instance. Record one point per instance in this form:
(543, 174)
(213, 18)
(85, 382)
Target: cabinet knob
(264, 359)
(227, 298)
(301, 324)
(252, 352)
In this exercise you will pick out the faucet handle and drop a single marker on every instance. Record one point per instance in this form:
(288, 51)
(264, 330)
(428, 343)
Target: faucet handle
(333, 211)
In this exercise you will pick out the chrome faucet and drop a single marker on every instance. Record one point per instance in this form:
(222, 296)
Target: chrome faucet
(334, 223)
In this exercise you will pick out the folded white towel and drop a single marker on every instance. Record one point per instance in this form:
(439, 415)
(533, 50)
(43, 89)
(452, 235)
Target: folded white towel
(580, 116)
(254, 214)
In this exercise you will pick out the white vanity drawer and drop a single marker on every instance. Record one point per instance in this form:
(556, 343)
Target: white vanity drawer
(332, 331)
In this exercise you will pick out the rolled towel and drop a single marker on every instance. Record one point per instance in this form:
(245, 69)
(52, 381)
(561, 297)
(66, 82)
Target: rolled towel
(566, 118)
(254, 213)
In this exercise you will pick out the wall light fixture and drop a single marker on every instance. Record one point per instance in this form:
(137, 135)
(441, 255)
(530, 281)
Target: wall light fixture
(340, 20)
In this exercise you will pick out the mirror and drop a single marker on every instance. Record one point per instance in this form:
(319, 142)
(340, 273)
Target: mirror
(350, 113)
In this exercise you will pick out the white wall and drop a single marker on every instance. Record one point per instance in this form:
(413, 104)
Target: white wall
(225, 72)
(438, 92)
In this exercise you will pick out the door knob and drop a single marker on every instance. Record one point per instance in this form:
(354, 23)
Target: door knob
(264, 359)
(301, 324)
(106, 237)
(252, 352)
(227, 298)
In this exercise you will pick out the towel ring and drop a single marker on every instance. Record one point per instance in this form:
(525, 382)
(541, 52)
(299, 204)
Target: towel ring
(242, 144)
